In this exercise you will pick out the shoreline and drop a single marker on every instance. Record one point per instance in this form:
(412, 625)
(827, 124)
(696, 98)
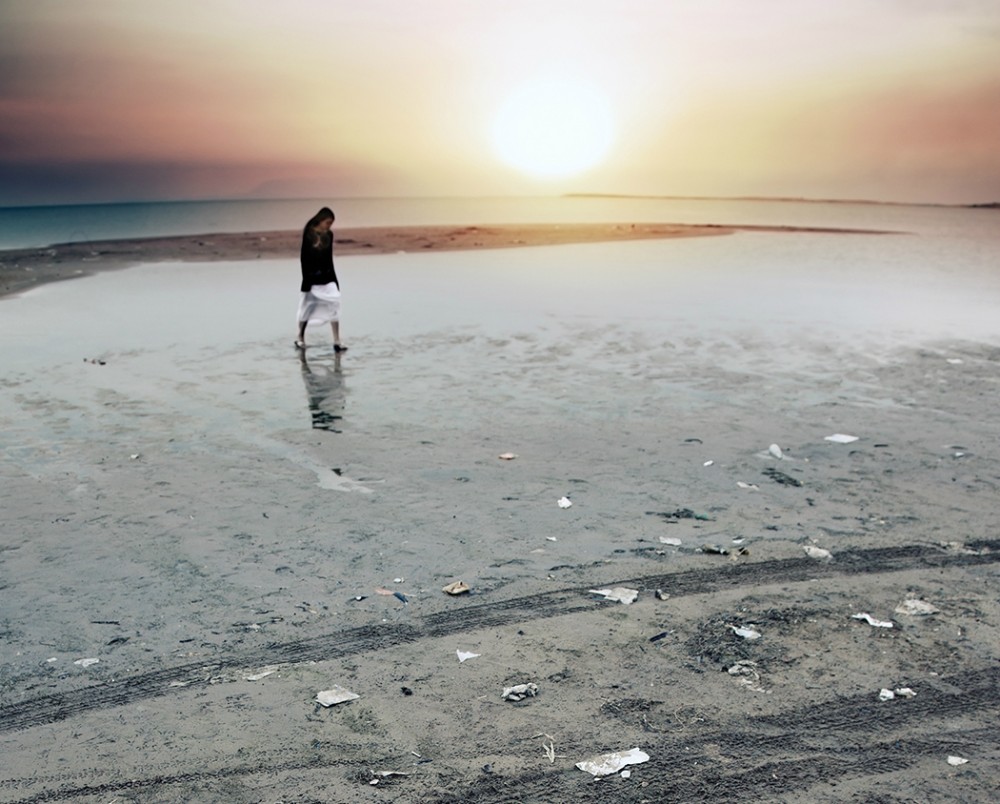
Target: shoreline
(23, 269)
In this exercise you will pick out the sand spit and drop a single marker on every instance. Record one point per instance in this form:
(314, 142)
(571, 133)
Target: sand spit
(23, 269)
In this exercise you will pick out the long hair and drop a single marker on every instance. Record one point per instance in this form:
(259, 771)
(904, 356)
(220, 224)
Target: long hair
(309, 230)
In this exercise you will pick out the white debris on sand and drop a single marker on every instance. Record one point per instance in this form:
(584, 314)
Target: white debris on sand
(606, 764)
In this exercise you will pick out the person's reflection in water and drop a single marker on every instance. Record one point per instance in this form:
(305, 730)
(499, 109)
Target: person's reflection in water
(325, 392)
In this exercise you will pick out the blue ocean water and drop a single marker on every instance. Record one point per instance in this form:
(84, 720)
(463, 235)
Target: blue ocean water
(31, 227)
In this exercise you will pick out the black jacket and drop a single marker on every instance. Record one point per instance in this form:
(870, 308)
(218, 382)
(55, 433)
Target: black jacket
(317, 263)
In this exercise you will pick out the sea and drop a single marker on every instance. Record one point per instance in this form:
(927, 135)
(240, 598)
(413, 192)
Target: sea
(41, 226)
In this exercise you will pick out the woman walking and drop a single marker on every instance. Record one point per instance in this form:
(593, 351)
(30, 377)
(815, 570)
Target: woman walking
(320, 300)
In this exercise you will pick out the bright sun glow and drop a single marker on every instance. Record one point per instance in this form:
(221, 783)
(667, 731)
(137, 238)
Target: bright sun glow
(553, 129)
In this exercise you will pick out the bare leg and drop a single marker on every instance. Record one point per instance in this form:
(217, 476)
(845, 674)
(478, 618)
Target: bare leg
(301, 340)
(335, 326)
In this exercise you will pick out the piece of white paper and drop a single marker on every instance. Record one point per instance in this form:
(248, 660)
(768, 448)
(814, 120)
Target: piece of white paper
(746, 633)
(620, 594)
(464, 655)
(335, 695)
(841, 438)
(871, 620)
(606, 764)
(564, 502)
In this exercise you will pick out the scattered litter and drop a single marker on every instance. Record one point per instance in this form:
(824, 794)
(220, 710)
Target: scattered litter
(744, 667)
(899, 692)
(782, 478)
(958, 455)
(264, 672)
(95, 360)
(871, 620)
(659, 636)
(507, 456)
(381, 590)
(53, 659)
(708, 463)
(551, 539)
(841, 438)
(817, 552)
(519, 692)
(335, 695)
(564, 502)
(463, 655)
(671, 541)
(398, 580)
(134, 456)
(86, 662)
(549, 747)
(358, 598)
(953, 760)
(956, 361)
(380, 775)
(775, 450)
(661, 595)
(916, 608)
(620, 594)
(746, 633)
(606, 764)
(401, 597)
(626, 774)
(742, 485)
(714, 548)
(456, 588)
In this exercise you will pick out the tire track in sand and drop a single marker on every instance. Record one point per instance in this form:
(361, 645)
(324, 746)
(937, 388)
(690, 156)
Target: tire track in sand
(55, 707)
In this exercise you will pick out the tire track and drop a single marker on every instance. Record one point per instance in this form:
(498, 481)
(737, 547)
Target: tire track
(55, 707)
(844, 738)
(840, 738)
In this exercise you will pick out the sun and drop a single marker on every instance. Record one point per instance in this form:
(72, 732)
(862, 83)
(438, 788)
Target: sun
(553, 128)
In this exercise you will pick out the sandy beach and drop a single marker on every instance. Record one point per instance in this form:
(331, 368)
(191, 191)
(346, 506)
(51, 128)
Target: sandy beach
(204, 529)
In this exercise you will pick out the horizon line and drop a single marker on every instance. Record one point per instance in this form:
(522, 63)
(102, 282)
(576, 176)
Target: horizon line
(595, 195)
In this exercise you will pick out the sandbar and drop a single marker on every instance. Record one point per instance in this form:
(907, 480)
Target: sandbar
(22, 269)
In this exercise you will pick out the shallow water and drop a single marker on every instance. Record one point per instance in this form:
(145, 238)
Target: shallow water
(533, 337)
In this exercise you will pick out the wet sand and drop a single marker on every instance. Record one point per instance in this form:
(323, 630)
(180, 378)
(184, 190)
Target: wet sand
(224, 523)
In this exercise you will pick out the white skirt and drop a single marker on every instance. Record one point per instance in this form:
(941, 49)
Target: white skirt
(320, 304)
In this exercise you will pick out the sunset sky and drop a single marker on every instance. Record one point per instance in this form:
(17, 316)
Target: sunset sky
(118, 100)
